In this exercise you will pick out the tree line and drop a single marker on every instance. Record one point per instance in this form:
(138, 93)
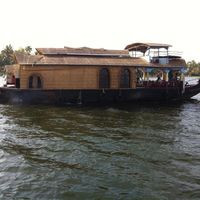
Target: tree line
(193, 68)
(7, 58)
(7, 55)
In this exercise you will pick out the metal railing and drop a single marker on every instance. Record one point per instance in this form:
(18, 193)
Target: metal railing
(165, 53)
(152, 54)
(160, 84)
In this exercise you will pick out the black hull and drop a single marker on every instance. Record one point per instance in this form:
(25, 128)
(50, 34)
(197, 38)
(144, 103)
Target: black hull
(62, 97)
(191, 91)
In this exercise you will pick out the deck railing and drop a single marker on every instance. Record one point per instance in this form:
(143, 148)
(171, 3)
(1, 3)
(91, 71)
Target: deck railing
(165, 53)
(157, 54)
(160, 84)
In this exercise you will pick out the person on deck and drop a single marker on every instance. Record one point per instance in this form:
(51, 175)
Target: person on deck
(170, 75)
(158, 78)
(13, 80)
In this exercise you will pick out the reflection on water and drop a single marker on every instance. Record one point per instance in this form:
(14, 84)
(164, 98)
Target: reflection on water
(124, 152)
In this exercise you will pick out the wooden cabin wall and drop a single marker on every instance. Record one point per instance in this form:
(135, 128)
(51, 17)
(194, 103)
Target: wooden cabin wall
(12, 70)
(133, 77)
(72, 77)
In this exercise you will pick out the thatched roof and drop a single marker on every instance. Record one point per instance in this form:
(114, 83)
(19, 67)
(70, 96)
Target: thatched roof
(84, 51)
(74, 60)
(143, 47)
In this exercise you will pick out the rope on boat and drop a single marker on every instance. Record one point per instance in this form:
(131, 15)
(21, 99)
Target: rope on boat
(80, 98)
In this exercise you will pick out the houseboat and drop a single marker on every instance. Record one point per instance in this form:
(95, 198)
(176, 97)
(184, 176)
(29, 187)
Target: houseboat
(85, 75)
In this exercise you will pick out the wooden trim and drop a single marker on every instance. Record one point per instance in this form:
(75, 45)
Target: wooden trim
(109, 78)
(130, 78)
(38, 75)
(87, 65)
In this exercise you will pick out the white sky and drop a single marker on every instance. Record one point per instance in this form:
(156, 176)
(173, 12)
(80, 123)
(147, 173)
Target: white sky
(108, 24)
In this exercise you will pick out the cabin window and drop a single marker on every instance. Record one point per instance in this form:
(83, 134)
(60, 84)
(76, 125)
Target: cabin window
(35, 81)
(125, 78)
(104, 78)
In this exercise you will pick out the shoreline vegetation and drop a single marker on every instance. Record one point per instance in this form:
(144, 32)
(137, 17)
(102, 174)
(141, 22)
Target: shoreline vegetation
(193, 68)
(7, 58)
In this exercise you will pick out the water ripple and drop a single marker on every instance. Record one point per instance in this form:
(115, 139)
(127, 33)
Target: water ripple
(123, 152)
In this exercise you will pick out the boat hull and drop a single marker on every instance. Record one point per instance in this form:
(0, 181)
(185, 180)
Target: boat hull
(39, 96)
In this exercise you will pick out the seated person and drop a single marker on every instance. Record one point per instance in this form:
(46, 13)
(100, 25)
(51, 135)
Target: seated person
(158, 78)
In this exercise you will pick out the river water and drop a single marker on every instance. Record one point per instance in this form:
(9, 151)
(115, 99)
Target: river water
(111, 152)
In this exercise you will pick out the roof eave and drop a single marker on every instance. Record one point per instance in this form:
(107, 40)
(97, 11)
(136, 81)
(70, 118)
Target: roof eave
(92, 65)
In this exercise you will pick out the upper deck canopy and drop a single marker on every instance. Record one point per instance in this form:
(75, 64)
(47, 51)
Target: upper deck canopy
(143, 47)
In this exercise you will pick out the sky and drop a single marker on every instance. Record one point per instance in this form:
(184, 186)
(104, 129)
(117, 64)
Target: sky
(110, 24)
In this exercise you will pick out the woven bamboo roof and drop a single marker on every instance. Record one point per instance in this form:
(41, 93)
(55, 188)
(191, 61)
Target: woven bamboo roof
(143, 47)
(84, 51)
(72, 60)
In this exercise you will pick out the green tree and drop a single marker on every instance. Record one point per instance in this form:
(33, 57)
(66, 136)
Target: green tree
(26, 50)
(193, 68)
(7, 56)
